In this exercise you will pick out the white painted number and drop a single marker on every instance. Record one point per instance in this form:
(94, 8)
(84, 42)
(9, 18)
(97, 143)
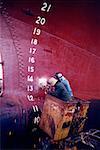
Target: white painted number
(37, 31)
(36, 120)
(31, 69)
(35, 108)
(40, 20)
(46, 7)
(30, 88)
(31, 60)
(32, 50)
(30, 97)
(30, 78)
(34, 41)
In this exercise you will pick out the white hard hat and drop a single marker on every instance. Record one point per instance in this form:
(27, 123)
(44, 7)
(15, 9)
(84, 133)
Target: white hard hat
(59, 75)
(52, 81)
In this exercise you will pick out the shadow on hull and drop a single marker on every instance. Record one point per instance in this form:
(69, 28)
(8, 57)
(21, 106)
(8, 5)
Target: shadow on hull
(16, 127)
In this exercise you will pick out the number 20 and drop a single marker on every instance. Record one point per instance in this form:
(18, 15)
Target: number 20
(45, 7)
(40, 20)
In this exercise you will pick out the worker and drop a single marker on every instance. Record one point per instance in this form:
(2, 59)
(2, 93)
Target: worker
(66, 83)
(58, 89)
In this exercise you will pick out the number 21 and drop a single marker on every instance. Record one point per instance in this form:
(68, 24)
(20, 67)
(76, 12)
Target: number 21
(45, 7)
